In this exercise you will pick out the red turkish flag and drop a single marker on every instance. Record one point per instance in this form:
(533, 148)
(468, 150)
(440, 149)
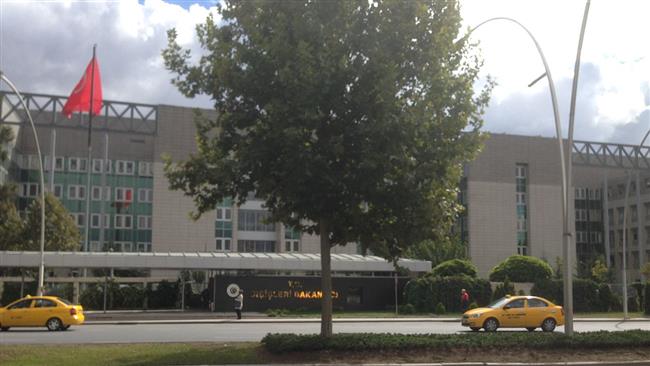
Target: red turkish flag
(79, 99)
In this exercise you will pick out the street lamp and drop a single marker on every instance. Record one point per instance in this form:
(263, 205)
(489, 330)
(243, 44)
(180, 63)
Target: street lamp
(566, 163)
(41, 267)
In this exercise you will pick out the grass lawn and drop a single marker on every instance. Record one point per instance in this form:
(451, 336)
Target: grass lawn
(132, 354)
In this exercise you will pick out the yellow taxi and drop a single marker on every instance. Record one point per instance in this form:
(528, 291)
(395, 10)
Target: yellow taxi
(36, 311)
(528, 312)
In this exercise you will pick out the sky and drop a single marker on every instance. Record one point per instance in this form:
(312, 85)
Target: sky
(45, 46)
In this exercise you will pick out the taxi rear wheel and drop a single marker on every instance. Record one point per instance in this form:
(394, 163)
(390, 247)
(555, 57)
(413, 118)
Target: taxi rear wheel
(54, 324)
(548, 325)
(491, 325)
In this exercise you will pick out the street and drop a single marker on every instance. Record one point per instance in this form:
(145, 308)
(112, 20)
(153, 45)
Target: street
(252, 331)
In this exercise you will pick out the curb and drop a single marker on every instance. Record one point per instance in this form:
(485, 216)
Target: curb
(579, 363)
(313, 320)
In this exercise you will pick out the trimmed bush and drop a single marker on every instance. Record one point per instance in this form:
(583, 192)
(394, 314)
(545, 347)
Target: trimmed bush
(440, 309)
(473, 306)
(281, 343)
(407, 309)
(587, 295)
(646, 308)
(520, 268)
(425, 292)
(549, 289)
(455, 267)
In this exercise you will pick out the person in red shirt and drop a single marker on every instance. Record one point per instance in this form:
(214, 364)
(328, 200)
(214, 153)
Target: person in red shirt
(464, 300)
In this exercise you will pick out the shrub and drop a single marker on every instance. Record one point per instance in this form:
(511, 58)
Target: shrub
(520, 268)
(549, 289)
(440, 309)
(455, 267)
(425, 292)
(408, 309)
(473, 306)
(282, 343)
(646, 308)
(503, 289)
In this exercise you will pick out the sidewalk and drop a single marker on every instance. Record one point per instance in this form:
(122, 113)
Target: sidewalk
(200, 317)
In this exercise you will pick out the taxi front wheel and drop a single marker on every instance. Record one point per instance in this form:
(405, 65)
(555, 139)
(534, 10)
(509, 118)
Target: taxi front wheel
(548, 325)
(491, 325)
(54, 324)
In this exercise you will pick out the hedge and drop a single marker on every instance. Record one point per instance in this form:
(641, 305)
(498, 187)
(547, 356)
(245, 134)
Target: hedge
(455, 267)
(520, 268)
(647, 299)
(281, 343)
(426, 292)
(588, 295)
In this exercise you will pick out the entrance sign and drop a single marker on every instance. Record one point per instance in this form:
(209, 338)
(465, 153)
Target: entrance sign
(232, 290)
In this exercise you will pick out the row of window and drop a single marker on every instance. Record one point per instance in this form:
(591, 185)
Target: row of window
(256, 246)
(75, 164)
(98, 193)
(144, 222)
(119, 246)
(584, 193)
(588, 237)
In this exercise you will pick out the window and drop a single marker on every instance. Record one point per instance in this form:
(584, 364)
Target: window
(97, 165)
(79, 219)
(144, 222)
(127, 247)
(76, 192)
(224, 214)
(145, 195)
(254, 220)
(21, 305)
(123, 194)
(124, 167)
(223, 244)
(143, 247)
(123, 221)
(580, 194)
(94, 221)
(256, 246)
(59, 163)
(145, 169)
(97, 193)
(291, 245)
(581, 215)
(95, 246)
(516, 304)
(44, 303)
(536, 303)
(58, 191)
(354, 295)
(77, 164)
(521, 198)
(30, 190)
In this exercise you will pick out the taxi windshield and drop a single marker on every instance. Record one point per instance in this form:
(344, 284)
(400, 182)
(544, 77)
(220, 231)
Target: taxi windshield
(499, 303)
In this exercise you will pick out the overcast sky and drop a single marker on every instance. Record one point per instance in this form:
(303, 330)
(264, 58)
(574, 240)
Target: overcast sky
(45, 46)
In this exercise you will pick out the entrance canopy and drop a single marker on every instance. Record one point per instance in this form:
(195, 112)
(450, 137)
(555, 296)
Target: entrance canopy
(208, 261)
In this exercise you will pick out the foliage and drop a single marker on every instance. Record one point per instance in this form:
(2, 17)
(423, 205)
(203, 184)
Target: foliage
(587, 294)
(503, 289)
(600, 273)
(11, 225)
(646, 308)
(407, 309)
(520, 268)
(438, 251)
(440, 309)
(473, 305)
(282, 343)
(350, 120)
(133, 296)
(11, 290)
(61, 232)
(425, 292)
(164, 296)
(6, 136)
(455, 267)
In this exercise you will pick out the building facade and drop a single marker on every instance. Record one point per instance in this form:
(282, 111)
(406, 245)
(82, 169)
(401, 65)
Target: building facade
(511, 191)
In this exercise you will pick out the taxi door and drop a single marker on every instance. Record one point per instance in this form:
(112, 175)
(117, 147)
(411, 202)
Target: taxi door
(43, 310)
(17, 314)
(513, 313)
(538, 310)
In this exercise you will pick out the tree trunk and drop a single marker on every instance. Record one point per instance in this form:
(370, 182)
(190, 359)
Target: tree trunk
(326, 281)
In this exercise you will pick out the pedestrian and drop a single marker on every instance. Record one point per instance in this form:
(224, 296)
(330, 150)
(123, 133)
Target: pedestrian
(464, 300)
(239, 303)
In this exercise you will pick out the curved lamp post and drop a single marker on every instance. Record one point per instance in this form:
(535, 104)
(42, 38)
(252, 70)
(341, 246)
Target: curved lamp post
(41, 267)
(565, 163)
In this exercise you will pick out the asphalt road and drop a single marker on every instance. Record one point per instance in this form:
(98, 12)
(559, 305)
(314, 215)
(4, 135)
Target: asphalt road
(240, 332)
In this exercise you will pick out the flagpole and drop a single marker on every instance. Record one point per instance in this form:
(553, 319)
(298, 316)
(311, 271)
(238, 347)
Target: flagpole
(89, 164)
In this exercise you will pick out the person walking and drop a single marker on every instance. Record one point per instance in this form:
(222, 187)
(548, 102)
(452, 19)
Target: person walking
(239, 303)
(464, 300)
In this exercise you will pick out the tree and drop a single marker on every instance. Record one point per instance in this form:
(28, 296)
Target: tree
(6, 136)
(521, 268)
(61, 231)
(438, 251)
(455, 267)
(11, 225)
(350, 119)
(599, 272)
